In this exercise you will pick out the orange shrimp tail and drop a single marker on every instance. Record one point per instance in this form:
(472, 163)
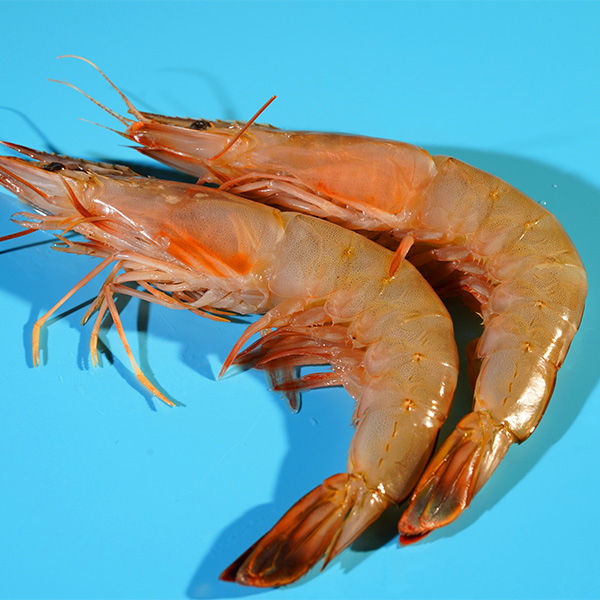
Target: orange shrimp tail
(461, 466)
(320, 525)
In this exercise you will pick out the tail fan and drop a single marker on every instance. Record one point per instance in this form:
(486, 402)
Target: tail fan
(320, 525)
(461, 466)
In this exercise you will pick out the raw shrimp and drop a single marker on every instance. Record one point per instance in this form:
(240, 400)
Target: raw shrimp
(328, 297)
(473, 235)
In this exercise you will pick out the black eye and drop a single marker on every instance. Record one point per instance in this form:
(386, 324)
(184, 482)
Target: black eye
(53, 167)
(201, 124)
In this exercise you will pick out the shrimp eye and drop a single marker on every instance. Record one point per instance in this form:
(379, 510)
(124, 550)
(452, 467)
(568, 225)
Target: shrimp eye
(201, 124)
(53, 167)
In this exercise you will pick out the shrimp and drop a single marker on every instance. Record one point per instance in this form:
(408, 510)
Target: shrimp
(326, 297)
(472, 235)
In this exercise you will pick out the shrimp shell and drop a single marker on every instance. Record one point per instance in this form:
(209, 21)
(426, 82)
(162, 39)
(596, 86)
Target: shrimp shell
(327, 295)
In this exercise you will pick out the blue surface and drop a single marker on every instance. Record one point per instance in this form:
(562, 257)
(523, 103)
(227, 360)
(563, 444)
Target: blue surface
(106, 493)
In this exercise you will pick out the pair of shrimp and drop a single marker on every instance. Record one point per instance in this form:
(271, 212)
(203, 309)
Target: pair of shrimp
(471, 234)
(467, 231)
(328, 296)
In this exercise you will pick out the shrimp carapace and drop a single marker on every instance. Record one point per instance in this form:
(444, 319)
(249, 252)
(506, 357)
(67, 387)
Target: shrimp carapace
(326, 297)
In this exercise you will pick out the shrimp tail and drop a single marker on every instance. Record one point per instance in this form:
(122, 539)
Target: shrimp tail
(320, 525)
(462, 465)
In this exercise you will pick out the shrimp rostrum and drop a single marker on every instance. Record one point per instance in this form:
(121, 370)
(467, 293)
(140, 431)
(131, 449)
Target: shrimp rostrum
(471, 233)
(327, 296)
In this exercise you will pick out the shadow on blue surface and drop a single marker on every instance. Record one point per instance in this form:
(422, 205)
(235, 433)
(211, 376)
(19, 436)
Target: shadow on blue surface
(325, 457)
(47, 143)
(215, 85)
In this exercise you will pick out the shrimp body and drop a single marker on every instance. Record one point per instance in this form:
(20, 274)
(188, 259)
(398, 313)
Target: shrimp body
(326, 296)
(473, 234)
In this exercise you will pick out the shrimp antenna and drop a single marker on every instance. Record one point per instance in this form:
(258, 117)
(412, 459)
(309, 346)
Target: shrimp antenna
(243, 129)
(112, 113)
(19, 234)
(132, 109)
(105, 126)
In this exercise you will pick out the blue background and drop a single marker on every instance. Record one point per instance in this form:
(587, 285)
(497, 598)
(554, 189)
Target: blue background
(107, 493)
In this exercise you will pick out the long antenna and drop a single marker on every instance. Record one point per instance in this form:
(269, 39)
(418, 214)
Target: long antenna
(132, 109)
(242, 130)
